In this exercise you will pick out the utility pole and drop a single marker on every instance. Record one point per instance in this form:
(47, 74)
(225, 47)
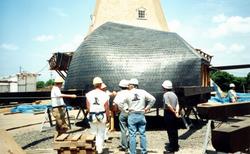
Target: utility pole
(20, 69)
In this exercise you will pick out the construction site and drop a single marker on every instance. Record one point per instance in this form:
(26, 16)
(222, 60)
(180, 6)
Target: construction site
(125, 40)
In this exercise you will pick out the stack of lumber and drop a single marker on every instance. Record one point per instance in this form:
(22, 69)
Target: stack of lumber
(80, 143)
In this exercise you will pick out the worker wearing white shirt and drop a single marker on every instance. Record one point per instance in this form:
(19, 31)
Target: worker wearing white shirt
(58, 106)
(123, 116)
(98, 107)
(136, 100)
(232, 94)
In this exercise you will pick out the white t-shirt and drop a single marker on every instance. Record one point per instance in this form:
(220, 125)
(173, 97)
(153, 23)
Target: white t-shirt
(171, 99)
(97, 98)
(232, 95)
(56, 99)
(137, 98)
(119, 100)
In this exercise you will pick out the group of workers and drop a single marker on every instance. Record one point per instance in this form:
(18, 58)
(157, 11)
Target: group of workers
(132, 103)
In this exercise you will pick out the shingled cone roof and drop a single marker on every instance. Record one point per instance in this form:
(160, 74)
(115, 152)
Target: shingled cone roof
(116, 51)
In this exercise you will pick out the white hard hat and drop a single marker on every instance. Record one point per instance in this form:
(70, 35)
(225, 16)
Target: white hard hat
(124, 83)
(59, 80)
(134, 81)
(231, 85)
(167, 84)
(97, 80)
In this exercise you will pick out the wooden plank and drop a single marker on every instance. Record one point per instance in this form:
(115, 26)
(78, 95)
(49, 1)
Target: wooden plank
(10, 113)
(90, 137)
(76, 137)
(68, 144)
(83, 137)
(223, 111)
(66, 151)
(88, 146)
(58, 145)
(230, 138)
(8, 144)
(41, 151)
(81, 151)
(62, 137)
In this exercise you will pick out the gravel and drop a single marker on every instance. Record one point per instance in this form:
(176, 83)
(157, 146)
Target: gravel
(191, 141)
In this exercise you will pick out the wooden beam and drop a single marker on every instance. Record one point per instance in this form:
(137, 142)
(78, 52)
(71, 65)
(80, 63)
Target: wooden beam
(231, 138)
(218, 111)
(230, 67)
(8, 144)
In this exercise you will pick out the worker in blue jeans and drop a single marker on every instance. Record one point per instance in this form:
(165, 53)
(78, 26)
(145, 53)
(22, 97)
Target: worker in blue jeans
(137, 108)
(123, 116)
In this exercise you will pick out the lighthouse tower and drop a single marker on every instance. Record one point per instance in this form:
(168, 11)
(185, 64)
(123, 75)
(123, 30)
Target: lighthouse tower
(140, 13)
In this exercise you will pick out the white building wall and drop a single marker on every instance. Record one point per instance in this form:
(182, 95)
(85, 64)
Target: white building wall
(4, 87)
(21, 82)
(126, 12)
(26, 82)
(9, 84)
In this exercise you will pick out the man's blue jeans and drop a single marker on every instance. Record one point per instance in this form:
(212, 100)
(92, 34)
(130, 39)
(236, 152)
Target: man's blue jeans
(123, 123)
(137, 122)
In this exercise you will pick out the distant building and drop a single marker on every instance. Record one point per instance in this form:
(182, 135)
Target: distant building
(140, 13)
(20, 82)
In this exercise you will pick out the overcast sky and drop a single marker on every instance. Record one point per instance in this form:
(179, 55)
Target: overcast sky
(31, 30)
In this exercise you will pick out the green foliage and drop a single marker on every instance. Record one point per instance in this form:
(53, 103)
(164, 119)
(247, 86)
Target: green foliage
(240, 82)
(40, 84)
(49, 83)
(223, 79)
(248, 81)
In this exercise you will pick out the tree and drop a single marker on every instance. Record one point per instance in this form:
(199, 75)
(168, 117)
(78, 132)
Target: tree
(248, 81)
(49, 83)
(240, 83)
(40, 84)
(222, 79)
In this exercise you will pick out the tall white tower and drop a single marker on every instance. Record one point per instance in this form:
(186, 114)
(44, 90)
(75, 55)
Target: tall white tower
(141, 13)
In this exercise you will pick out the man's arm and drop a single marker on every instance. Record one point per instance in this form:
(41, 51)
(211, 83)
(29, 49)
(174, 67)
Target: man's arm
(87, 105)
(151, 99)
(106, 106)
(68, 95)
(167, 104)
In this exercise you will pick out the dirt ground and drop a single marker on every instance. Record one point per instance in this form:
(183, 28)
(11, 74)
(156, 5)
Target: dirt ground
(26, 130)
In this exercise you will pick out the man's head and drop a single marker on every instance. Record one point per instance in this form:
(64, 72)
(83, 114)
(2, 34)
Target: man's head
(103, 87)
(133, 83)
(232, 85)
(123, 84)
(59, 82)
(97, 82)
(167, 85)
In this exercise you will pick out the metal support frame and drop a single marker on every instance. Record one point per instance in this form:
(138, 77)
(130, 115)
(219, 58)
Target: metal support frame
(48, 118)
(206, 140)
